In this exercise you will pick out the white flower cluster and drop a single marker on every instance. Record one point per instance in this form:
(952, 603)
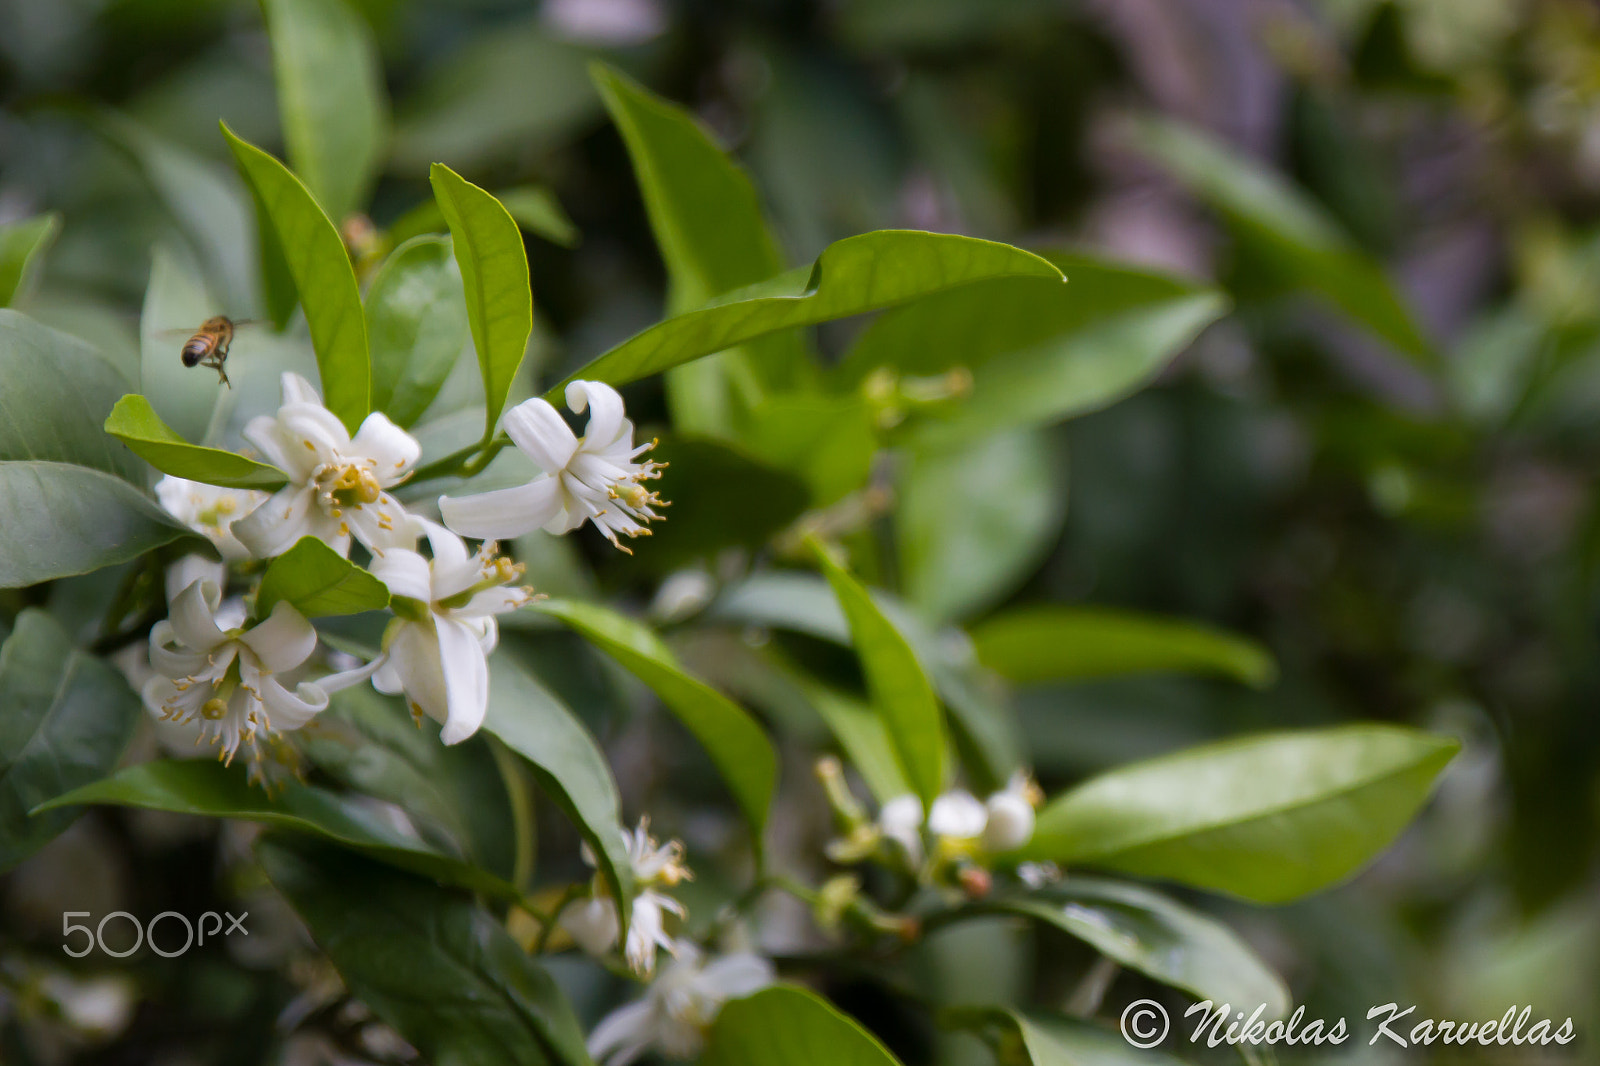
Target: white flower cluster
(236, 682)
(682, 1001)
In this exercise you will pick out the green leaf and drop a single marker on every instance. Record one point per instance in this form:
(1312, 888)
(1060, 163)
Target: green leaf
(68, 715)
(976, 520)
(734, 741)
(1302, 241)
(1160, 938)
(62, 519)
(708, 224)
(430, 962)
(567, 763)
(1269, 818)
(1039, 352)
(1032, 645)
(494, 275)
(1057, 1040)
(55, 393)
(21, 245)
(538, 212)
(858, 274)
(186, 398)
(330, 98)
(417, 325)
(316, 260)
(828, 440)
(134, 422)
(317, 581)
(786, 1025)
(900, 689)
(212, 790)
(863, 735)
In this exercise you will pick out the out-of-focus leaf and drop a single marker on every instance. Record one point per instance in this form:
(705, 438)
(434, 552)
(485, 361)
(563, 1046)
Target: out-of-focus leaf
(21, 245)
(713, 239)
(1057, 1040)
(786, 1025)
(55, 394)
(736, 744)
(206, 787)
(494, 275)
(900, 690)
(1147, 932)
(537, 211)
(1270, 817)
(863, 735)
(68, 715)
(175, 300)
(567, 763)
(858, 274)
(1302, 241)
(134, 422)
(317, 581)
(511, 89)
(1031, 645)
(205, 200)
(705, 517)
(62, 519)
(417, 326)
(429, 961)
(973, 521)
(315, 256)
(1039, 352)
(330, 98)
(829, 440)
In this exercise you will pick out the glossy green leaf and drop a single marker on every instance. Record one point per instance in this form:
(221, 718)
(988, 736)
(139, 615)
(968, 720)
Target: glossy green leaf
(1039, 352)
(708, 224)
(417, 326)
(1033, 645)
(900, 690)
(317, 581)
(330, 98)
(1303, 242)
(567, 763)
(863, 735)
(134, 422)
(1057, 1040)
(852, 276)
(736, 744)
(1145, 931)
(316, 259)
(786, 1025)
(1270, 817)
(210, 789)
(55, 393)
(62, 519)
(21, 245)
(974, 521)
(68, 716)
(430, 962)
(494, 275)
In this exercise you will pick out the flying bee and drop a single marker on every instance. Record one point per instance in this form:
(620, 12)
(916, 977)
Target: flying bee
(208, 345)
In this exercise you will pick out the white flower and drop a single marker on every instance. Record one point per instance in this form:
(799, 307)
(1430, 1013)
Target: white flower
(958, 816)
(647, 930)
(596, 478)
(226, 680)
(1010, 814)
(436, 649)
(678, 1008)
(209, 510)
(336, 484)
(900, 820)
(593, 924)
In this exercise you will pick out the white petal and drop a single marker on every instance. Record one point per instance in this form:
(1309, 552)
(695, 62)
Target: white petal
(504, 513)
(314, 429)
(1010, 822)
(492, 602)
(192, 621)
(958, 814)
(345, 678)
(382, 525)
(283, 641)
(592, 924)
(265, 432)
(170, 658)
(405, 572)
(449, 552)
(288, 711)
(272, 529)
(738, 975)
(297, 389)
(540, 432)
(412, 658)
(192, 568)
(394, 449)
(466, 680)
(623, 1035)
(607, 421)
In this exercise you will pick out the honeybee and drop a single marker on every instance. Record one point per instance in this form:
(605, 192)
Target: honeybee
(209, 345)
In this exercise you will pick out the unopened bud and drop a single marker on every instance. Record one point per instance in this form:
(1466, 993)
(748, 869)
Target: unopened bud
(975, 881)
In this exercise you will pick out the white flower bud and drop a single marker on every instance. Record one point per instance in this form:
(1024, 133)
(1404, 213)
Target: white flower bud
(1010, 822)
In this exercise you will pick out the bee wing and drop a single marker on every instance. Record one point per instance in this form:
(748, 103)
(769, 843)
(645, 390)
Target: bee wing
(175, 333)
